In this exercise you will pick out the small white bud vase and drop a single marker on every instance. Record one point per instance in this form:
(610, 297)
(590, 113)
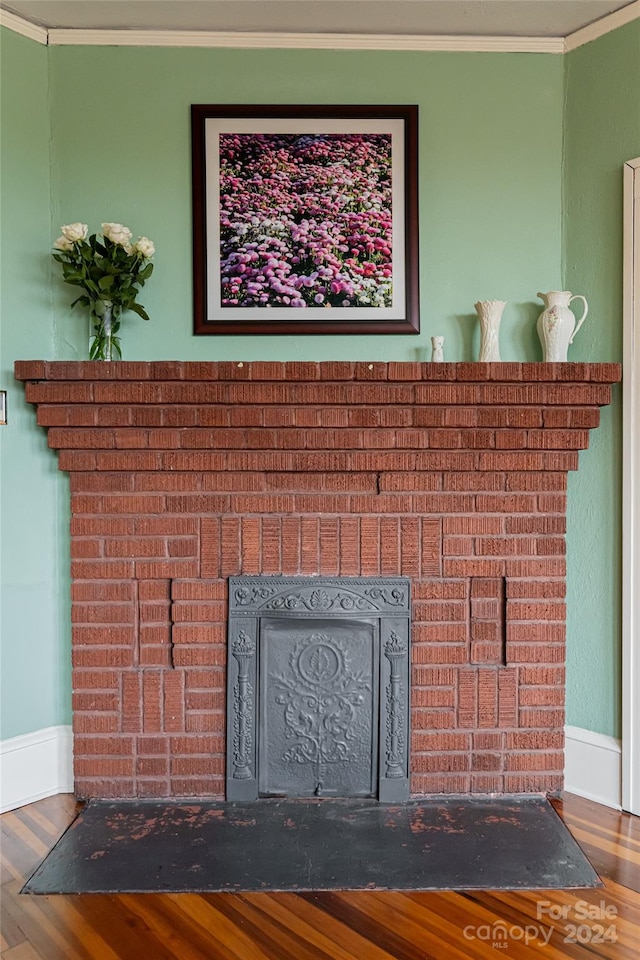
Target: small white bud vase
(557, 325)
(437, 345)
(490, 314)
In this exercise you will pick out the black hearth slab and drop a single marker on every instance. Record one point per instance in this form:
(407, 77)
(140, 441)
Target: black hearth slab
(459, 843)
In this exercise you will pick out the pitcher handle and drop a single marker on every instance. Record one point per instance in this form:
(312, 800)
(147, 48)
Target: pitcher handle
(583, 317)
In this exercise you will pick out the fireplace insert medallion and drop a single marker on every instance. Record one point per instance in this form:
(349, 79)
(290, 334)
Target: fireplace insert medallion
(318, 687)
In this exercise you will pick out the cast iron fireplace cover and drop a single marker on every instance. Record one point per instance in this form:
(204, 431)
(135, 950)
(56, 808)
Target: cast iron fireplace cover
(318, 687)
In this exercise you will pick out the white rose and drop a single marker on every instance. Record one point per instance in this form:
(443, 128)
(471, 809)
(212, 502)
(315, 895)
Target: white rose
(117, 233)
(63, 244)
(74, 232)
(145, 247)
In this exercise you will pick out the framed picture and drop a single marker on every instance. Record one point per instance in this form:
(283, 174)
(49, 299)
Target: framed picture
(305, 219)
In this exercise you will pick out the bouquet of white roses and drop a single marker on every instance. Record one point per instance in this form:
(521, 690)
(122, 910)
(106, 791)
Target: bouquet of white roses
(110, 269)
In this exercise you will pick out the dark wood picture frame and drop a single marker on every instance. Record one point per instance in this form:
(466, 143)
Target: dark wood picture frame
(394, 131)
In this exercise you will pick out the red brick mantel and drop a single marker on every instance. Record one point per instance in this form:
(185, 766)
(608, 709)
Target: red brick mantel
(183, 474)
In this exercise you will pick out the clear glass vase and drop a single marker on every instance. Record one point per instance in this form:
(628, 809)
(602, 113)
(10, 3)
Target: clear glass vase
(105, 323)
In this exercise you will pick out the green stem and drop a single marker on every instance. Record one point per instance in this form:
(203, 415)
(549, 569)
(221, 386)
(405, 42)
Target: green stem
(106, 322)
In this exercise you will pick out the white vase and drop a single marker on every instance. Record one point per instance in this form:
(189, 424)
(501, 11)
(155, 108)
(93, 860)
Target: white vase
(490, 314)
(557, 325)
(437, 344)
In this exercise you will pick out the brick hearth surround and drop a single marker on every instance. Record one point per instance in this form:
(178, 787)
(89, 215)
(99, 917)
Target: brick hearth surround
(183, 474)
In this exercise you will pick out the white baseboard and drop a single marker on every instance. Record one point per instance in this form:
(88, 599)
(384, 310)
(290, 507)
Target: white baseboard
(592, 766)
(35, 765)
(40, 764)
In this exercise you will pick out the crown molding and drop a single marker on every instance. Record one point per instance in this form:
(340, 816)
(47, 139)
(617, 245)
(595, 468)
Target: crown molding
(319, 41)
(305, 41)
(24, 27)
(256, 41)
(598, 29)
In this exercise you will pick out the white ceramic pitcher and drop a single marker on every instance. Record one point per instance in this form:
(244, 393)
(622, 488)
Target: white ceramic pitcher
(557, 324)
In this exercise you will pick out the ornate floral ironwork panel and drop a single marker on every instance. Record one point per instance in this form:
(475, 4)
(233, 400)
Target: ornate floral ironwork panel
(319, 707)
(329, 595)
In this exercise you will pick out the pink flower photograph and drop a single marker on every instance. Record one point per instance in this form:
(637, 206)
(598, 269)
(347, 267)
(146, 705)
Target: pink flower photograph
(305, 221)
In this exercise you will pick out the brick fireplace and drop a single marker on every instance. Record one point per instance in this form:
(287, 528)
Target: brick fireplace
(186, 474)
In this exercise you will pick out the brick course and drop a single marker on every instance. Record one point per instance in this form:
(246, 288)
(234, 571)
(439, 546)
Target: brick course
(183, 474)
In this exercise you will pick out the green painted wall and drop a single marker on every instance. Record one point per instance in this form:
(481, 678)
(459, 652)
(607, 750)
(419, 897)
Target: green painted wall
(602, 131)
(33, 498)
(491, 159)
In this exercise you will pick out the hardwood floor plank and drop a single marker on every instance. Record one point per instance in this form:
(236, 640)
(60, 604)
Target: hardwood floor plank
(630, 899)
(12, 932)
(607, 863)
(559, 929)
(236, 943)
(323, 933)
(33, 917)
(615, 848)
(41, 825)
(279, 938)
(15, 823)
(389, 938)
(20, 861)
(573, 807)
(440, 932)
(59, 809)
(606, 836)
(94, 936)
(9, 871)
(463, 920)
(457, 925)
(626, 839)
(140, 926)
(24, 951)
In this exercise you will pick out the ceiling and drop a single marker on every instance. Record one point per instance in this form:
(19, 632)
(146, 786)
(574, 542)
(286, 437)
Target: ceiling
(497, 18)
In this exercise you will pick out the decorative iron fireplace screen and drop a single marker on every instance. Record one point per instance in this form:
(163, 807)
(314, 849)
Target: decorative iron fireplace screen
(318, 687)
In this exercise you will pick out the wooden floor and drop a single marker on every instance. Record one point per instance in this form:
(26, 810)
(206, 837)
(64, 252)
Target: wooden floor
(595, 923)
